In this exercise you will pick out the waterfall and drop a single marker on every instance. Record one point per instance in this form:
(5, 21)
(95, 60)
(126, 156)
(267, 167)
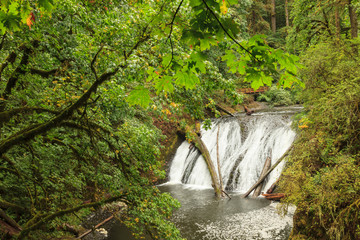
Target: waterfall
(244, 145)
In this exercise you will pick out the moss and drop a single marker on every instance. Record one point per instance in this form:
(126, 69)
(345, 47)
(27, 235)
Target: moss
(322, 177)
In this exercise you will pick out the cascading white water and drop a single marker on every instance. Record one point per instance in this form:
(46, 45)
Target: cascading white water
(244, 145)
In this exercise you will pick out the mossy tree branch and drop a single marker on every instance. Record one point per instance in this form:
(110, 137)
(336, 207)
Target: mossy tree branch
(50, 217)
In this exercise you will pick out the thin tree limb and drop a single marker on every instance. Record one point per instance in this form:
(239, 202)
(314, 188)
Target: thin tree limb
(94, 60)
(171, 30)
(226, 32)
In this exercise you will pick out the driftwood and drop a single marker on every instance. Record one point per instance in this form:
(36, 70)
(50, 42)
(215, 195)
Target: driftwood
(248, 111)
(266, 167)
(268, 172)
(218, 159)
(95, 227)
(205, 153)
(223, 191)
(224, 110)
(273, 186)
(274, 196)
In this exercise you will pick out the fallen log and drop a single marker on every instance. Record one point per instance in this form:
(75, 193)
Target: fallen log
(205, 153)
(266, 167)
(95, 227)
(224, 110)
(248, 111)
(218, 161)
(273, 196)
(273, 186)
(268, 172)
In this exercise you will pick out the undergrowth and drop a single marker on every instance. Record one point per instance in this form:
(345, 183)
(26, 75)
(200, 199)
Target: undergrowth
(323, 176)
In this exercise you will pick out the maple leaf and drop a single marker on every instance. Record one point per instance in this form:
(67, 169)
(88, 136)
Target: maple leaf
(30, 20)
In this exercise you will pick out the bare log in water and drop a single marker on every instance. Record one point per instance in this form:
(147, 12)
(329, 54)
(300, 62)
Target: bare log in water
(274, 196)
(205, 153)
(248, 111)
(268, 172)
(95, 227)
(266, 167)
(273, 186)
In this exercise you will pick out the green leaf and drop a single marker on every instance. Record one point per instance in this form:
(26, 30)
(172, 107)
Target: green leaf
(186, 79)
(241, 67)
(166, 60)
(233, 1)
(204, 44)
(231, 25)
(46, 4)
(194, 3)
(267, 80)
(164, 84)
(199, 58)
(255, 84)
(139, 96)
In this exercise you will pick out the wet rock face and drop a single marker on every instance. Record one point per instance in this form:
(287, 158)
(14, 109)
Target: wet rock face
(264, 224)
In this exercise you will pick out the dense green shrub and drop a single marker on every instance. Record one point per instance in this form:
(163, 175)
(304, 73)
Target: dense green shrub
(323, 176)
(278, 97)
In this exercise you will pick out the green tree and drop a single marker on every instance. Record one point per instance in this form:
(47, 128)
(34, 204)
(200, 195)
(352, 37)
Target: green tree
(318, 21)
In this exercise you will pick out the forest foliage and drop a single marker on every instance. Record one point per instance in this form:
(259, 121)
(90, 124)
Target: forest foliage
(81, 84)
(322, 176)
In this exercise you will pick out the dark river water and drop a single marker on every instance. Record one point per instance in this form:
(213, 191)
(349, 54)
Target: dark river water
(202, 216)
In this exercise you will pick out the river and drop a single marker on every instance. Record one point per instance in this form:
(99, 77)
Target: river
(244, 144)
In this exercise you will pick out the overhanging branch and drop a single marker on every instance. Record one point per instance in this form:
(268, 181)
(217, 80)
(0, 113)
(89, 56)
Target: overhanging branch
(60, 213)
(226, 32)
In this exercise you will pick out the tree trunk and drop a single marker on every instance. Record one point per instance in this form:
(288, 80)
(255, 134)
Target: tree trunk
(9, 220)
(273, 16)
(268, 172)
(267, 166)
(353, 21)
(287, 13)
(205, 153)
